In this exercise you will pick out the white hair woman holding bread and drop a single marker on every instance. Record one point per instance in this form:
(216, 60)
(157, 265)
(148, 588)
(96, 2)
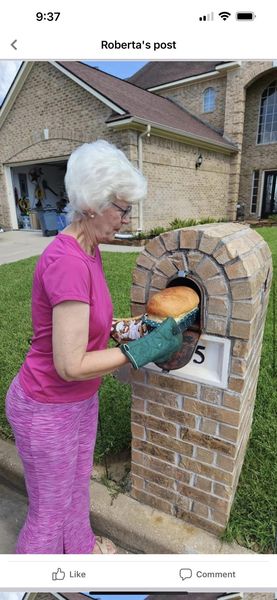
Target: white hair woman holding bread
(52, 403)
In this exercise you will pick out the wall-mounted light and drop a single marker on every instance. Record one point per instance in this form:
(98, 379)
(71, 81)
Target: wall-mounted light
(199, 161)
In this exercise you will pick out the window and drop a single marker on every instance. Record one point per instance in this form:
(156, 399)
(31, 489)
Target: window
(267, 131)
(255, 185)
(209, 100)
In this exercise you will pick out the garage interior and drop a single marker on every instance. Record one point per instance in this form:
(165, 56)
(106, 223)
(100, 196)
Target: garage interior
(40, 196)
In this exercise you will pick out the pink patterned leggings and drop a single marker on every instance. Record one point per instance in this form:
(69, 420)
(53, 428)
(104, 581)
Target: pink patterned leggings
(55, 443)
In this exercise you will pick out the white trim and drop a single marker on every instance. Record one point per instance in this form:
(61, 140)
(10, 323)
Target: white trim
(266, 143)
(22, 76)
(40, 161)
(231, 596)
(165, 86)
(218, 70)
(188, 136)
(57, 595)
(259, 113)
(18, 83)
(257, 136)
(9, 183)
(229, 65)
(205, 112)
(259, 208)
(262, 188)
(10, 196)
(252, 189)
(88, 88)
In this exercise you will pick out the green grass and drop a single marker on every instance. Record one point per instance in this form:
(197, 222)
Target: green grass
(253, 520)
(253, 517)
(114, 434)
(16, 330)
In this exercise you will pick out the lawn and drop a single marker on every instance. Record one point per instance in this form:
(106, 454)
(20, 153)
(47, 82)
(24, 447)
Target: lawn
(16, 331)
(253, 518)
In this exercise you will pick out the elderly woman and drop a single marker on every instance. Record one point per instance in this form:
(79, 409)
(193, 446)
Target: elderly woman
(52, 404)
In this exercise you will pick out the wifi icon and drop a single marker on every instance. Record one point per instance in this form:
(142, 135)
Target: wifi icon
(224, 15)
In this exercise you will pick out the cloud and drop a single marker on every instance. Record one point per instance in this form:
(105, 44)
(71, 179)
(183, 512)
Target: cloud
(11, 595)
(8, 70)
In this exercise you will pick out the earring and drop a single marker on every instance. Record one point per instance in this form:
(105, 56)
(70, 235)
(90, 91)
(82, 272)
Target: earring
(92, 216)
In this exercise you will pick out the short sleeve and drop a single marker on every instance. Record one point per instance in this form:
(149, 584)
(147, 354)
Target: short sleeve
(67, 278)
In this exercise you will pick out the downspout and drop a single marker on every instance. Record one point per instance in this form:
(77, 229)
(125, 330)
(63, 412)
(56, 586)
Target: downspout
(140, 165)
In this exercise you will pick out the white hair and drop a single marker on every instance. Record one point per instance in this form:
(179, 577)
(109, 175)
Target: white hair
(98, 173)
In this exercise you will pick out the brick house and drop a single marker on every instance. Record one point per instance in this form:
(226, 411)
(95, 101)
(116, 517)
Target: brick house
(203, 133)
(154, 596)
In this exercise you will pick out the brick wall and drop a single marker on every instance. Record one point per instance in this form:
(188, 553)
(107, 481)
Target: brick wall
(260, 157)
(259, 596)
(176, 188)
(48, 99)
(72, 116)
(231, 115)
(190, 96)
(237, 81)
(189, 439)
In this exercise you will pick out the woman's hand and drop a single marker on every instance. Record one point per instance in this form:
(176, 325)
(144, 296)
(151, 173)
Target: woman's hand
(157, 346)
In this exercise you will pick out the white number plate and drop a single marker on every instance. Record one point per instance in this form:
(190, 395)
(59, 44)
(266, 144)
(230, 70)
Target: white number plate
(209, 364)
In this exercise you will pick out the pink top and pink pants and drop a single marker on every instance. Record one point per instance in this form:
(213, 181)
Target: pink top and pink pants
(55, 422)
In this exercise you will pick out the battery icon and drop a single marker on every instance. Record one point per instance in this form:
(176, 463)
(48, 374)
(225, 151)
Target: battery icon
(245, 16)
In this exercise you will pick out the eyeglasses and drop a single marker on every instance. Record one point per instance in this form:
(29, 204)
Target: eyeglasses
(124, 211)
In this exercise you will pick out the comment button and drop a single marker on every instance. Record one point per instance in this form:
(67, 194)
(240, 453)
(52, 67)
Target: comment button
(185, 574)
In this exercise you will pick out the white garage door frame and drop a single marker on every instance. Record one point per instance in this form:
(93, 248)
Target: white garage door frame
(9, 183)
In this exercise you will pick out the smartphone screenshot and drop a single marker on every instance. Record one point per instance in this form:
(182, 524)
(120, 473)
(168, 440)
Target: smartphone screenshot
(138, 243)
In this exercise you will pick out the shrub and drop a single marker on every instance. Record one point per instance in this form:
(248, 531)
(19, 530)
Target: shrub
(211, 220)
(179, 223)
(156, 231)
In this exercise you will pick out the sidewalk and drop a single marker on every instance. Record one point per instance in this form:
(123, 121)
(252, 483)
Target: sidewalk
(133, 526)
(17, 245)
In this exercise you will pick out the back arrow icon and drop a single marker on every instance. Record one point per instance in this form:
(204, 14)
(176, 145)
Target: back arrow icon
(13, 44)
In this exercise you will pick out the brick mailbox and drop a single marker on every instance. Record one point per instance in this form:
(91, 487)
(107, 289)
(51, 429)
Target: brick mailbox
(190, 426)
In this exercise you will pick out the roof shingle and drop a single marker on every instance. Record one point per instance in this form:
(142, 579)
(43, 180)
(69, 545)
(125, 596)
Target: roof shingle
(144, 105)
(156, 73)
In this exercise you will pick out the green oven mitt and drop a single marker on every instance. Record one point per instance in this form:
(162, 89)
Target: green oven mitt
(157, 346)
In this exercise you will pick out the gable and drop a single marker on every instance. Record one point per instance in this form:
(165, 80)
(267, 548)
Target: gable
(49, 101)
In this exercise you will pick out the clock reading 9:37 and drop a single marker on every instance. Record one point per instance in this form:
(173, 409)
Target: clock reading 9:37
(48, 16)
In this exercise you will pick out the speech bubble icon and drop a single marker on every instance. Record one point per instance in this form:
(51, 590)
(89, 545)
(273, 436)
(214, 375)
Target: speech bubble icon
(185, 574)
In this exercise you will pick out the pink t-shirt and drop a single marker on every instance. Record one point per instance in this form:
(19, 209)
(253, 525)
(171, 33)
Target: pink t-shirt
(64, 272)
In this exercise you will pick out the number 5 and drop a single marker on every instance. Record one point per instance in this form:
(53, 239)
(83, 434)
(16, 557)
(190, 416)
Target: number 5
(202, 357)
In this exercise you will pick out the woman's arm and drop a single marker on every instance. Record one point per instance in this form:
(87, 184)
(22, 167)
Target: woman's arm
(70, 339)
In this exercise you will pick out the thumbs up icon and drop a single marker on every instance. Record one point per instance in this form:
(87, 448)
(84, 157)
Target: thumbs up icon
(58, 575)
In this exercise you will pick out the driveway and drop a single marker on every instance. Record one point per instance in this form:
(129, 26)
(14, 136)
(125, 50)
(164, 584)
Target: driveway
(16, 245)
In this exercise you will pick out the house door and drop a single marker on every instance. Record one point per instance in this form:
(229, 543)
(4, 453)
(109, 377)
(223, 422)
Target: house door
(269, 206)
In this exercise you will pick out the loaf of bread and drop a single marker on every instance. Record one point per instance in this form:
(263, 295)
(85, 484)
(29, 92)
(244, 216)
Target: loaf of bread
(173, 302)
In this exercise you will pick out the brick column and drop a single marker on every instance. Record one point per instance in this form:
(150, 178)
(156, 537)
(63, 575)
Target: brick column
(189, 438)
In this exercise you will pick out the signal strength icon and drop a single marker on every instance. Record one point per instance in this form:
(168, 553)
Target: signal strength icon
(224, 15)
(208, 17)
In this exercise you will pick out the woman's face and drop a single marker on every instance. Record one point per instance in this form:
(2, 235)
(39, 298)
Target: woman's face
(109, 223)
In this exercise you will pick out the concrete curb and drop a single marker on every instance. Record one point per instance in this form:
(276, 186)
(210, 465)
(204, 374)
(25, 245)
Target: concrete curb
(132, 525)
